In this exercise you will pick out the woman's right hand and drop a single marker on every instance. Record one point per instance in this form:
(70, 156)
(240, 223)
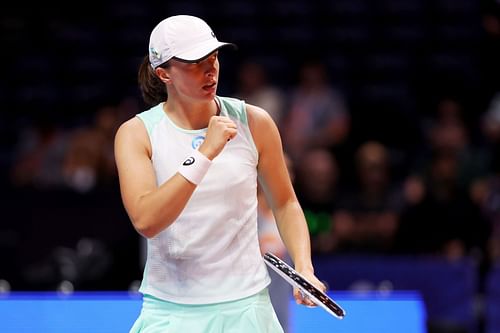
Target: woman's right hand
(220, 130)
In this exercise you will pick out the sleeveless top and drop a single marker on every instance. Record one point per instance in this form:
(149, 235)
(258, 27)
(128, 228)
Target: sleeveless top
(210, 253)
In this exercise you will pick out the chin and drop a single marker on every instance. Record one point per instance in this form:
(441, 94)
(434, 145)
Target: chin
(209, 95)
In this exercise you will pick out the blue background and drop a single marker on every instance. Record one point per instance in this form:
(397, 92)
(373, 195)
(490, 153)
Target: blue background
(116, 312)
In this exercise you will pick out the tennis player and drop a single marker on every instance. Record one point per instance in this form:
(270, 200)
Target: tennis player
(188, 170)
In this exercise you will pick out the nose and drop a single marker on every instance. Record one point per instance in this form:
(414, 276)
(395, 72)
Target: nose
(211, 66)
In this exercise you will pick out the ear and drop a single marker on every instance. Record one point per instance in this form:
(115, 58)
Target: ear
(163, 75)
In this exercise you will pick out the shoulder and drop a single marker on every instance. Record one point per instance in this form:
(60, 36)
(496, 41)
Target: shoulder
(261, 125)
(152, 117)
(234, 107)
(231, 101)
(133, 133)
(134, 127)
(143, 121)
(258, 116)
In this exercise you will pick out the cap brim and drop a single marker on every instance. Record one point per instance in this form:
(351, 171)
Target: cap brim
(202, 51)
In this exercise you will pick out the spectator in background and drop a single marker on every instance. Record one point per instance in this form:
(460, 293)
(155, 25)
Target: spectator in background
(80, 158)
(254, 88)
(446, 221)
(89, 159)
(368, 216)
(318, 116)
(39, 155)
(446, 133)
(449, 172)
(317, 177)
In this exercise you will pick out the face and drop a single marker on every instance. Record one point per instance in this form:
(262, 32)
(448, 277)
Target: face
(196, 81)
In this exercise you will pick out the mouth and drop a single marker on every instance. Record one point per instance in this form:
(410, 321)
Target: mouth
(210, 86)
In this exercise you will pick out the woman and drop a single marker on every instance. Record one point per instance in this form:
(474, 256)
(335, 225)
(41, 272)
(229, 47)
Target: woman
(188, 171)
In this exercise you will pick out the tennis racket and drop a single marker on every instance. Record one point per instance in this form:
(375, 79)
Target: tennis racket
(295, 279)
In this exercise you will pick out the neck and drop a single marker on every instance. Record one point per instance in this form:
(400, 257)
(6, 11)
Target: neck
(191, 115)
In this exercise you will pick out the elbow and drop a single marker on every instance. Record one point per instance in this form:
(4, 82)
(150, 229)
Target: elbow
(150, 222)
(147, 232)
(145, 227)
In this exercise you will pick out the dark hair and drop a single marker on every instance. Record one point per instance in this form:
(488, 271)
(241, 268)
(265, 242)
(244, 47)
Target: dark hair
(153, 90)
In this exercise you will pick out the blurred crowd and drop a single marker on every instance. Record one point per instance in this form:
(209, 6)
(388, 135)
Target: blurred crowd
(358, 197)
(79, 157)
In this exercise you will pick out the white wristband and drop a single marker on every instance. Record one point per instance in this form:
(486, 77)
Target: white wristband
(195, 167)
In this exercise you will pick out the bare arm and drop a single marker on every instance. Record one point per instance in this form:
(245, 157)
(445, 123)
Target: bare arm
(275, 180)
(150, 207)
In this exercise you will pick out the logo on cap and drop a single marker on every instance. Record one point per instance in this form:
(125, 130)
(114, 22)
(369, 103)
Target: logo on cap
(155, 53)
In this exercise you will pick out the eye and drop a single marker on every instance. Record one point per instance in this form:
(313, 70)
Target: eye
(213, 56)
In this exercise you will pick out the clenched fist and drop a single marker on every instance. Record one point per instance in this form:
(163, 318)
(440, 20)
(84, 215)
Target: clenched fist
(220, 130)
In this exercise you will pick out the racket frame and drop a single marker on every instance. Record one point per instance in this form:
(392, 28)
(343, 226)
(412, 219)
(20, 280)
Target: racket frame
(295, 279)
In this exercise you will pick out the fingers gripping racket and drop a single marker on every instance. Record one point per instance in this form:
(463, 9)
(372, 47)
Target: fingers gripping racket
(295, 279)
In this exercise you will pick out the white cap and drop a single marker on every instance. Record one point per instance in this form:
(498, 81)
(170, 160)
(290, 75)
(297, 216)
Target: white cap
(184, 37)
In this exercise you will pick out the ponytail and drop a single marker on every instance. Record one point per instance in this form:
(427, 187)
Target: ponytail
(153, 90)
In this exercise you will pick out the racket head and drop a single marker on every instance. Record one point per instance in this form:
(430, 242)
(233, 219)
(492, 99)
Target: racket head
(295, 279)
